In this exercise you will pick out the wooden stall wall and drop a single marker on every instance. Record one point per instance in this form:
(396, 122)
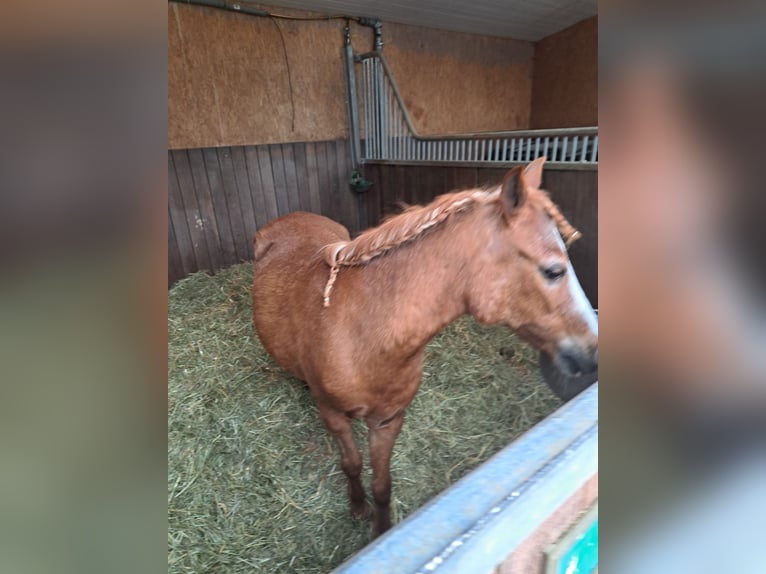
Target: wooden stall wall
(218, 197)
(574, 191)
(239, 80)
(565, 86)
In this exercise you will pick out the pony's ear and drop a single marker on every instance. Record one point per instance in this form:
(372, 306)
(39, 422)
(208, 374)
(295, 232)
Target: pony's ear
(513, 191)
(533, 173)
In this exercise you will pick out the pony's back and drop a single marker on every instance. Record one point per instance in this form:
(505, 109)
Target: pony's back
(289, 275)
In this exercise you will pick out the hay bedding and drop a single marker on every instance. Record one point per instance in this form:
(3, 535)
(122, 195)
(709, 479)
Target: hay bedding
(254, 483)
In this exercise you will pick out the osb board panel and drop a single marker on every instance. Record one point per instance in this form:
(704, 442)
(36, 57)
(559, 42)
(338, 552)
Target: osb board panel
(453, 82)
(565, 87)
(228, 82)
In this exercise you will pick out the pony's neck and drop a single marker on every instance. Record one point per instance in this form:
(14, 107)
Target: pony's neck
(422, 286)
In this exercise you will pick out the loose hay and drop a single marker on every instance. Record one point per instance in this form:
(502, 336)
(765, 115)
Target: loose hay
(254, 482)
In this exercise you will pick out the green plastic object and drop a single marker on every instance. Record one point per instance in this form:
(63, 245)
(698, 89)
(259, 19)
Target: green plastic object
(358, 183)
(577, 551)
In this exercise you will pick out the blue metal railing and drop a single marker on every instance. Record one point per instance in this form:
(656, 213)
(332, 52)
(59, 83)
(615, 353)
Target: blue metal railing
(477, 522)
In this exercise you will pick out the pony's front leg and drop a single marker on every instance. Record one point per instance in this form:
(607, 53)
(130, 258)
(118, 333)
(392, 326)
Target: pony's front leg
(381, 436)
(339, 426)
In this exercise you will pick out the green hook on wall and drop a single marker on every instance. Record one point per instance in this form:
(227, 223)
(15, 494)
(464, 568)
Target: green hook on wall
(358, 183)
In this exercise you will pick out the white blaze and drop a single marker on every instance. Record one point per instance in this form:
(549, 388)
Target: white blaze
(576, 294)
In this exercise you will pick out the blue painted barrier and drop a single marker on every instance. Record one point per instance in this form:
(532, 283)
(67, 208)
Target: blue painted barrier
(477, 522)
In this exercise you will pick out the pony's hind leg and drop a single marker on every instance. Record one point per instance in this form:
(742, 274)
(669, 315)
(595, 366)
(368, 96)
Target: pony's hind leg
(339, 426)
(382, 435)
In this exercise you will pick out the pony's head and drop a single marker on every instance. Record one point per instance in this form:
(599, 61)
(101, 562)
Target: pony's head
(522, 275)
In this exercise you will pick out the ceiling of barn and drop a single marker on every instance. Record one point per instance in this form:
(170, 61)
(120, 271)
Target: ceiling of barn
(521, 19)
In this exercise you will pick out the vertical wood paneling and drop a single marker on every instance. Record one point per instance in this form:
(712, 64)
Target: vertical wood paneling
(371, 173)
(177, 215)
(175, 266)
(280, 182)
(267, 182)
(464, 177)
(198, 211)
(325, 193)
(257, 194)
(234, 206)
(219, 197)
(346, 200)
(239, 165)
(302, 176)
(214, 187)
(291, 178)
(313, 178)
(333, 200)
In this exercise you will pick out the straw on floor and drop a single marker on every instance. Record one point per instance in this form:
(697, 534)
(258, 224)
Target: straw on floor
(254, 482)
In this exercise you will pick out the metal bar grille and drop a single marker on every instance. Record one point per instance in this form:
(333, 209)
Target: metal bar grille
(390, 136)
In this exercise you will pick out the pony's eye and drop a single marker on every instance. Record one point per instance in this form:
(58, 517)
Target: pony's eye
(553, 272)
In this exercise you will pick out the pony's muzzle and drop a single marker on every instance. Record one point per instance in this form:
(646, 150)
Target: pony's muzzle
(574, 358)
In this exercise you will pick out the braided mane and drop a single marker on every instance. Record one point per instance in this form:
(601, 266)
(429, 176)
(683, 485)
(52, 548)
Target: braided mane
(415, 221)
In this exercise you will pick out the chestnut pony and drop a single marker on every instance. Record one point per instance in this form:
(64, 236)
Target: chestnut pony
(352, 317)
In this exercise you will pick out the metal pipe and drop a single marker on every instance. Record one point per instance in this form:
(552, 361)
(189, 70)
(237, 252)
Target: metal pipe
(355, 147)
(367, 113)
(223, 5)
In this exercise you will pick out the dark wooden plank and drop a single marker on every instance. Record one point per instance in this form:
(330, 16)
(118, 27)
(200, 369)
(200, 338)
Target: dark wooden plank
(177, 214)
(301, 173)
(490, 176)
(432, 184)
(175, 265)
(464, 177)
(399, 184)
(203, 229)
(239, 163)
(234, 206)
(372, 174)
(278, 172)
(268, 186)
(418, 184)
(257, 194)
(291, 178)
(348, 205)
(218, 196)
(313, 177)
(333, 184)
(409, 184)
(325, 180)
(389, 204)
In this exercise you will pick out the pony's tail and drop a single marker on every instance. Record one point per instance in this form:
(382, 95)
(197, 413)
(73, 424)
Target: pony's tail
(261, 244)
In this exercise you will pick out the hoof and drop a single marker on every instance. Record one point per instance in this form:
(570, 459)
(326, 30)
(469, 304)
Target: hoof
(378, 528)
(360, 511)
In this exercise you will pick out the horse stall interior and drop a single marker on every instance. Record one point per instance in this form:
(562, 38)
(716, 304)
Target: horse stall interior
(261, 125)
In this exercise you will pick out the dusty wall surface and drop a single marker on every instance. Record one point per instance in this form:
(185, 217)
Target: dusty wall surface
(453, 82)
(565, 87)
(228, 80)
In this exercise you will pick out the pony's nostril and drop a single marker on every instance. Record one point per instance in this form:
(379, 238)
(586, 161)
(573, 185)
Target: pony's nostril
(568, 363)
(574, 361)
